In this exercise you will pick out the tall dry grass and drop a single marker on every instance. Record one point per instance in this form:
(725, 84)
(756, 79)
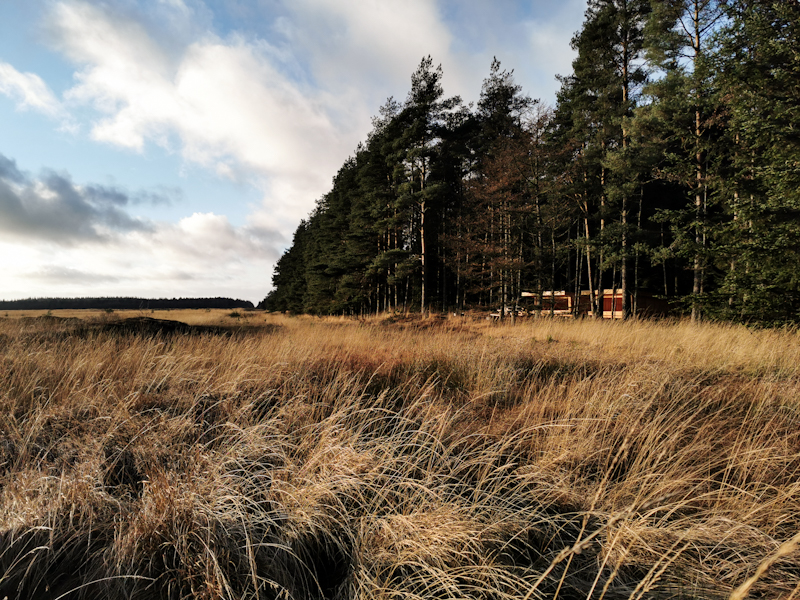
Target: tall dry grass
(310, 458)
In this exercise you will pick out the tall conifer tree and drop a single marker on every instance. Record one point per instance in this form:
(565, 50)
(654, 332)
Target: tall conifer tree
(683, 119)
(424, 121)
(608, 74)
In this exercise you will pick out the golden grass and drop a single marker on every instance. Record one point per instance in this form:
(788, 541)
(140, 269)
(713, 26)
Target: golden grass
(277, 457)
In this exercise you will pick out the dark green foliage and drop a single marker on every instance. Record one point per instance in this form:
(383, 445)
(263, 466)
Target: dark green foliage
(759, 246)
(684, 125)
(289, 278)
(671, 164)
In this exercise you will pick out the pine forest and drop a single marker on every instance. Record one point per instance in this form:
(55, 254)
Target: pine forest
(669, 165)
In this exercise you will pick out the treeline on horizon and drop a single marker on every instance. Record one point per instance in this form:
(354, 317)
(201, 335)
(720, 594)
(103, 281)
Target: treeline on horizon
(122, 303)
(670, 163)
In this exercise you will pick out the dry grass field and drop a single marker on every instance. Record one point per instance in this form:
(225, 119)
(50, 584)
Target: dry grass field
(261, 456)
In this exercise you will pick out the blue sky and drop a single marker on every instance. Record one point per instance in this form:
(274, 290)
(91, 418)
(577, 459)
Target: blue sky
(169, 148)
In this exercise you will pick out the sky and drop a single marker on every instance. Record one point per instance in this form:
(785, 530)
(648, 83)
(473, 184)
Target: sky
(170, 148)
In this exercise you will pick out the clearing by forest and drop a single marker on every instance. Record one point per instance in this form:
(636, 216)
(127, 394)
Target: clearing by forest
(251, 455)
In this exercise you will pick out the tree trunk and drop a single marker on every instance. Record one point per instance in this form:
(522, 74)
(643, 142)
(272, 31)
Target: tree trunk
(626, 307)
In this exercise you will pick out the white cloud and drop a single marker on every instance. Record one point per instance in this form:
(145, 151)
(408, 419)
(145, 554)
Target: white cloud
(550, 52)
(376, 42)
(133, 268)
(238, 105)
(28, 90)
(176, 4)
(225, 103)
(211, 237)
(61, 274)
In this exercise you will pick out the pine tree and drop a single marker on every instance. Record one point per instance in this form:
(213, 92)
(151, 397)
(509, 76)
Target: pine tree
(500, 203)
(423, 120)
(759, 68)
(378, 191)
(575, 152)
(289, 276)
(684, 119)
(600, 97)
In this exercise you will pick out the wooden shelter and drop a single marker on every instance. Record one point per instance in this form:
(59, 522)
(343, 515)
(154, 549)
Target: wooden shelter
(569, 305)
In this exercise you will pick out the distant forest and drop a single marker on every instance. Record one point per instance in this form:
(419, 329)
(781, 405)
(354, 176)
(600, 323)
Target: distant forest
(670, 163)
(121, 303)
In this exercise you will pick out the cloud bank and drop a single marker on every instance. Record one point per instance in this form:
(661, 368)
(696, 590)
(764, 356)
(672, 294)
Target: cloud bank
(86, 237)
(54, 209)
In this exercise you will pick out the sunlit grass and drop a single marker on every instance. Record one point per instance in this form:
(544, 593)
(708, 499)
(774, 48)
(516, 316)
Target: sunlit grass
(278, 457)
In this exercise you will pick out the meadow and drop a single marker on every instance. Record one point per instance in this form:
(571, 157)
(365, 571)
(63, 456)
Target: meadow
(265, 456)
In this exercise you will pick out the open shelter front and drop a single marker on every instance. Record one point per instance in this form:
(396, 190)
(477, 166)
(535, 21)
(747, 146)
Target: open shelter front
(568, 304)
